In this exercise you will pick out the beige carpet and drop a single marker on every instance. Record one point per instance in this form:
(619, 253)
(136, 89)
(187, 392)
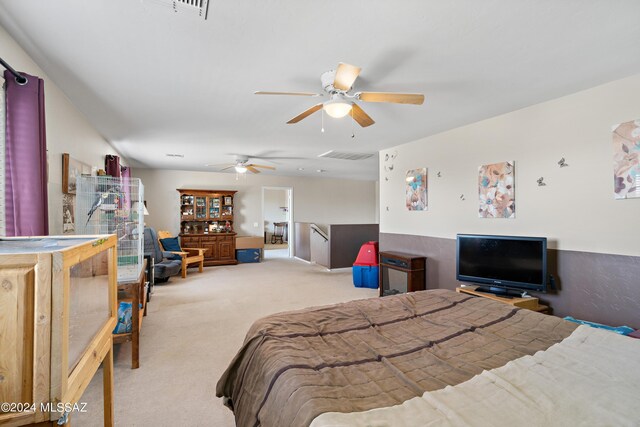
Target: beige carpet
(193, 329)
(269, 246)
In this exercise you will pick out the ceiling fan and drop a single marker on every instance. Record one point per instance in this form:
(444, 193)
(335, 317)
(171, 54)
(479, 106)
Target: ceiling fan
(338, 85)
(242, 165)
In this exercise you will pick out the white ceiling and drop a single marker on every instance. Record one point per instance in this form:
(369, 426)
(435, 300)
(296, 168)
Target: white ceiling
(154, 81)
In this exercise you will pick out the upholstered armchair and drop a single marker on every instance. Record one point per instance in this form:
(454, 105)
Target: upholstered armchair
(166, 264)
(189, 256)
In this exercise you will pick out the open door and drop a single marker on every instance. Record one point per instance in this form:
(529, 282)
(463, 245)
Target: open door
(277, 220)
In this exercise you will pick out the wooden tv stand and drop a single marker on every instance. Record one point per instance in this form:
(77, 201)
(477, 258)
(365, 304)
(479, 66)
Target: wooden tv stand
(530, 303)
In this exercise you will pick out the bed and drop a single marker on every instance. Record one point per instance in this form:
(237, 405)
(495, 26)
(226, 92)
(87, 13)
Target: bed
(428, 358)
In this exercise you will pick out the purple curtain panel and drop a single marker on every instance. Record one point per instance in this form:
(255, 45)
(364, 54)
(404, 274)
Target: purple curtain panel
(112, 165)
(26, 158)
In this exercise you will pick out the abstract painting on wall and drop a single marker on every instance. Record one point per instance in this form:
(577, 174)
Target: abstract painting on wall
(496, 188)
(626, 160)
(416, 192)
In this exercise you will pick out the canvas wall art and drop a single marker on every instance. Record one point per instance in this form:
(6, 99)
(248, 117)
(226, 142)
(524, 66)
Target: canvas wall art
(626, 160)
(68, 215)
(416, 191)
(496, 189)
(71, 170)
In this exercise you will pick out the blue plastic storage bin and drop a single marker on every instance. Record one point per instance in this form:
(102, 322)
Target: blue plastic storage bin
(365, 276)
(248, 255)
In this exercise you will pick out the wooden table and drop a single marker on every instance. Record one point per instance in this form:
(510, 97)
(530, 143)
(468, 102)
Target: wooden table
(134, 292)
(530, 303)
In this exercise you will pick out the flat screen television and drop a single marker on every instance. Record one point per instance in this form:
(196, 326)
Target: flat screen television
(502, 264)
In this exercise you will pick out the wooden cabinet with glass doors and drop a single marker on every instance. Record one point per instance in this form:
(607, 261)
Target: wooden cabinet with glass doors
(206, 221)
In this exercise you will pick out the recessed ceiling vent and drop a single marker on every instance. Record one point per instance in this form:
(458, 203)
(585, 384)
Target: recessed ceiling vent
(195, 3)
(343, 155)
(190, 7)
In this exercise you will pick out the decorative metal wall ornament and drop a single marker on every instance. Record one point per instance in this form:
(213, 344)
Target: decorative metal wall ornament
(388, 163)
(439, 175)
(462, 197)
(562, 163)
(541, 182)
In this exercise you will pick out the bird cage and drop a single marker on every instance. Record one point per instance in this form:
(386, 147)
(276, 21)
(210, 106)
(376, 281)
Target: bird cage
(107, 205)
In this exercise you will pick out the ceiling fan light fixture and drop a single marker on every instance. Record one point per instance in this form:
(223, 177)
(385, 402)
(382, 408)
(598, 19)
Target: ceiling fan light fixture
(241, 168)
(337, 108)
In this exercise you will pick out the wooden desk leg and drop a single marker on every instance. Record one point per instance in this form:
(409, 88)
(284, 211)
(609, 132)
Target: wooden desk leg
(201, 265)
(135, 330)
(107, 387)
(143, 294)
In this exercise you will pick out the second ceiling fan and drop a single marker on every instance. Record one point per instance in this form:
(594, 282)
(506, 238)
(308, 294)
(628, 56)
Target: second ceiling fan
(242, 165)
(338, 84)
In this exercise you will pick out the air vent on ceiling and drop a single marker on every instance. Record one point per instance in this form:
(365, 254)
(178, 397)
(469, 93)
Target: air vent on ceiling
(191, 7)
(175, 155)
(343, 155)
(194, 3)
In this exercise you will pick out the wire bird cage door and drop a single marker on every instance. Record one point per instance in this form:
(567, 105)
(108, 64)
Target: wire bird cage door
(107, 205)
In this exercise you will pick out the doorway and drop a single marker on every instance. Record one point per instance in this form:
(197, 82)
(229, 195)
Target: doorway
(277, 217)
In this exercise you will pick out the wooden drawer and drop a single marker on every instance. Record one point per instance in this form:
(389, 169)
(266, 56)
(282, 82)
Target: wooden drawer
(189, 241)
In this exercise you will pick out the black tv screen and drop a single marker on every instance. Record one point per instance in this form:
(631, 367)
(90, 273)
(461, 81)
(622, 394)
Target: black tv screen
(507, 262)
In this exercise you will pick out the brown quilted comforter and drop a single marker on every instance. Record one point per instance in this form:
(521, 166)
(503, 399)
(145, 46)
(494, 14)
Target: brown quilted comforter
(374, 353)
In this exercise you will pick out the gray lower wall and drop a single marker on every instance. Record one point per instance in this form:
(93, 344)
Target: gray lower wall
(345, 241)
(598, 287)
(302, 244)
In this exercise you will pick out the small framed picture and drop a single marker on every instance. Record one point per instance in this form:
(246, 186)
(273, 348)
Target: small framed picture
(71, 170)
(68, 218)
(228, 200)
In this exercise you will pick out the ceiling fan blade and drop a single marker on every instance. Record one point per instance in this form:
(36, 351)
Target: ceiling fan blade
(262, 92)
(252, 169)
(305, 113)
(228, 167)
(346, 74)
(261, 166)
(360, 116)
(397, 98)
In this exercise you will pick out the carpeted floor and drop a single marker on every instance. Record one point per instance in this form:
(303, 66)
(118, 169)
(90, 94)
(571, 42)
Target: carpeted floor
(193, 329)
(269, 246)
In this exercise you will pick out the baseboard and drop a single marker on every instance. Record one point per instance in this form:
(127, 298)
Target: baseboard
(341, 269)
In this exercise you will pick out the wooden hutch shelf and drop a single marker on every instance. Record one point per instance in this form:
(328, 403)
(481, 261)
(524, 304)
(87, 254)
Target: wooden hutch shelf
(206, 221)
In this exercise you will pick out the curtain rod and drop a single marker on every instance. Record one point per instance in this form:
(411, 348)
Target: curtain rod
(20, 79)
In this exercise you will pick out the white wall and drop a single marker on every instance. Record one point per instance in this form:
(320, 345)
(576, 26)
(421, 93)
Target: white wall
(575, 210)
(274, 200)
(68, 131)
(321, 200)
